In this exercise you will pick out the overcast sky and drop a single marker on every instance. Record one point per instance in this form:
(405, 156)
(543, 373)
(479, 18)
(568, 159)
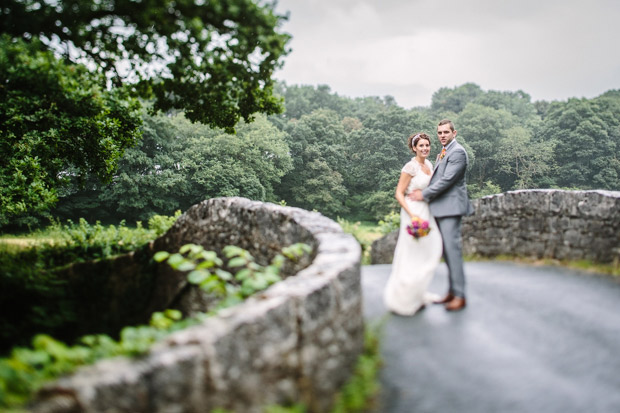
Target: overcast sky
(550, 49)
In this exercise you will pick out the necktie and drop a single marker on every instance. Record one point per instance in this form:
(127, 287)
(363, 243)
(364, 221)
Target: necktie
(443, 153)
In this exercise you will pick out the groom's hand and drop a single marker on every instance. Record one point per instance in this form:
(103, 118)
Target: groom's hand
(416, 195)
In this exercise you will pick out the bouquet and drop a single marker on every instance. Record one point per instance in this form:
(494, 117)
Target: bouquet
(418, 228)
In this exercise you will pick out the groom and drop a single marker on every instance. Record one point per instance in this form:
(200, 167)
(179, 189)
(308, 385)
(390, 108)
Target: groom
(448, 200)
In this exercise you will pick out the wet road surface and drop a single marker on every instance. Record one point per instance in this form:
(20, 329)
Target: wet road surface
(532, 339)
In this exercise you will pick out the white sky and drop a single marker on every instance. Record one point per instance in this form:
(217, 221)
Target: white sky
(550, 49)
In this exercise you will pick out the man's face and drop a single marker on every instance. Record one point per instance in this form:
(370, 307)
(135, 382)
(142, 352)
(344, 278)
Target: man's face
(445, 134)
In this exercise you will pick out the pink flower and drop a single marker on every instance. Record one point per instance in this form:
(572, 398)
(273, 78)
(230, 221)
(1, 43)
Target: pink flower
(418, 228)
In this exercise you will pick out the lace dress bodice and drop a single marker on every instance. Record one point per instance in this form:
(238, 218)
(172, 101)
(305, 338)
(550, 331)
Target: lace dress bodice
(419, 180)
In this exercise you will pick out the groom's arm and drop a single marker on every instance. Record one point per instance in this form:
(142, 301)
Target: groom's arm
(455, 169)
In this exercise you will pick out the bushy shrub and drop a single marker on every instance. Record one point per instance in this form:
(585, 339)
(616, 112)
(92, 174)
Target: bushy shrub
(33, 299)
(27, 368)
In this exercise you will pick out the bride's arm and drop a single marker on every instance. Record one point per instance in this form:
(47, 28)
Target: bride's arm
(403, 183)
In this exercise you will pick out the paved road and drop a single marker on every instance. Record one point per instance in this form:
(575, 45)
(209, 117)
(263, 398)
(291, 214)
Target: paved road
(532, 339)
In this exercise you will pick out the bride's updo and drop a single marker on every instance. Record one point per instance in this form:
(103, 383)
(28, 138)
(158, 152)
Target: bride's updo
(415, 138)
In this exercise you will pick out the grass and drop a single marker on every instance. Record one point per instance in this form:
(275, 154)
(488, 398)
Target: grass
(365, 232)
(361, 392)
(368, 231)
(15, 243)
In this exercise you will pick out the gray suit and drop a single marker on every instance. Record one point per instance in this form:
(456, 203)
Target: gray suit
(448, 200)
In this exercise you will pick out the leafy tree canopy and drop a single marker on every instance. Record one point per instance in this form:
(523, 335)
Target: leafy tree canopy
(587, 137)
(179, 163)
(55, 117)
(317, 143)
(213, 59)
(455, 99)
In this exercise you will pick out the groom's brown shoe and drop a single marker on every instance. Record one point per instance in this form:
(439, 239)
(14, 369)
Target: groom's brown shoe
(445, 300)
(456, 304)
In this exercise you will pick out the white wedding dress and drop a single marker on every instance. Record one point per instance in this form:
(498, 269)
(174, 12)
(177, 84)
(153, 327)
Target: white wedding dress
(415, 260)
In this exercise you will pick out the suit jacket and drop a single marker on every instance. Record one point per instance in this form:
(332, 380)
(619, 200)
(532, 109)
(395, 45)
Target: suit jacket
(447, 191)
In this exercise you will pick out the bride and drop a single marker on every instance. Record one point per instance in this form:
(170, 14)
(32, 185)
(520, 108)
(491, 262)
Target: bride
(415, 259)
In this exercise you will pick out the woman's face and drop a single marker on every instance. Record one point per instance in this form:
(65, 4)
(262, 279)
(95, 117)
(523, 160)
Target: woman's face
(423, 148)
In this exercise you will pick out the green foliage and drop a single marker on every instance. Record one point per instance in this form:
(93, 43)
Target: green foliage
(364, 233)
(179, 164)
(489, 188)
(303, 99)
(159, 224)
(342, 157)
(54, 117)
(206, 270)
(32, 297)
(522, 160)
(361, 391)
(317, 149)
(389, 223)
(586, 136)
(213, 59)
(27, 368)
(380, 203)
(455, 99)
(83, 241)
(353, 228)
(483, 128)
(517, 103)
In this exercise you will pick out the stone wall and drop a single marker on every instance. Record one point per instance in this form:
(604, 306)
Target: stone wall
(540, 224)
(297, 341)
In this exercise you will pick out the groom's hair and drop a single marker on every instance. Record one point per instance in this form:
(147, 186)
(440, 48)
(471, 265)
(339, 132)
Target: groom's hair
(446, 122)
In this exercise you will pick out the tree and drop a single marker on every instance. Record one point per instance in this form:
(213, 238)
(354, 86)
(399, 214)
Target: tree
(302, 100)
(179, 163)
(376, 153)
(213, 59)
(517, 103)
(248, 164)
(56, 121)
(587, 137)
(522, 159)
(455, 99)
(482, 128)
(317, 143)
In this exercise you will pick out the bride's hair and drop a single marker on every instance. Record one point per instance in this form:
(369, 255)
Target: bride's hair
(415, 138)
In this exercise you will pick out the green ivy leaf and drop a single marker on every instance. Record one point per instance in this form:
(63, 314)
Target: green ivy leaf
(237, 262)
(173, 314)
(189, 248)
(197, 276)
(186, 266)
(224, 275)
(278, 261)
(176, 260)
(161, 256)
(209, 256)
(205, 264)
(243, 274)
(232, 251)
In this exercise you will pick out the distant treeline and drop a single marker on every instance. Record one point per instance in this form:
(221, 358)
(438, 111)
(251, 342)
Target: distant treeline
(342, 156)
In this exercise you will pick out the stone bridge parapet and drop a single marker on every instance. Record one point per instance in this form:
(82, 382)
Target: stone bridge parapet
(538, 223)
(546, 224)
(297, 341)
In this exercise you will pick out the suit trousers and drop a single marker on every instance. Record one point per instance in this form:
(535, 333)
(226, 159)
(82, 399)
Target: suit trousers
(450, 228)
